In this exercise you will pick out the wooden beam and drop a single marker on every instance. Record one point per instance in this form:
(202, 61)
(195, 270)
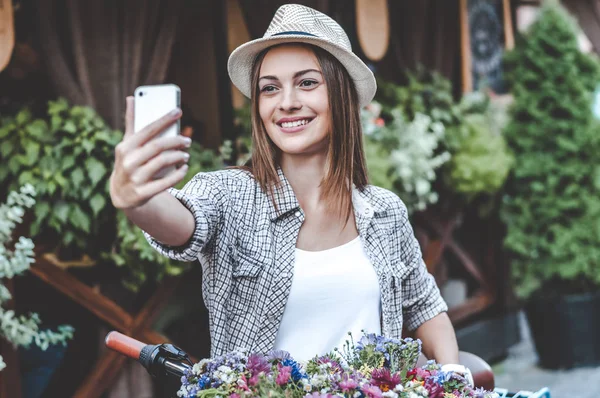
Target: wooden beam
(471, 306)
(509, 37)
(159, 299)
(102, 376)
(63, 281)
(465, 48)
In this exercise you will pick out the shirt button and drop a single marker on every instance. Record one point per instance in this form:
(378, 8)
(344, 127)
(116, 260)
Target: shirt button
(368, 211)
(297, 214)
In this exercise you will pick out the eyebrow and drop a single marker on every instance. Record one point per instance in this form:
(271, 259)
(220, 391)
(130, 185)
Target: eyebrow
(296, 75)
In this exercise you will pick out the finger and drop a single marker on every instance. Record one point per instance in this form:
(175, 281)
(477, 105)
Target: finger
(156, 127)
(153, 148)
(129, 115)
(157, 186)
(165, 159)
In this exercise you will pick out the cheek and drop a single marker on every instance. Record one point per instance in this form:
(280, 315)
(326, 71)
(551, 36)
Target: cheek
(264, 112)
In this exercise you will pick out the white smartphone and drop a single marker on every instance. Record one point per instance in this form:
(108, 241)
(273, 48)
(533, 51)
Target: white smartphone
(152, 103)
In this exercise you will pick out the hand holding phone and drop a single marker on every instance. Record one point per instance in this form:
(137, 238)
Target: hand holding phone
(146, 152)
(152, 102)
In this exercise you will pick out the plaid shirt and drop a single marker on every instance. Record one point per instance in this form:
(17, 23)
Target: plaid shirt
(246, 248)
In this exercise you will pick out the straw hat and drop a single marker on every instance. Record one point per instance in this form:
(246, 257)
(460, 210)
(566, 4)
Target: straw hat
(295, 23)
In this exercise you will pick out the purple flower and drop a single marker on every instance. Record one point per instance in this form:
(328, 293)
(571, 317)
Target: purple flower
(258, 364)
(371, 391)
(278, 356)
(335, 365)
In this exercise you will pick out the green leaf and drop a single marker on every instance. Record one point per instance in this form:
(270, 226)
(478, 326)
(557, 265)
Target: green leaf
(79, 219)
(41, 210)
(68, 237)
(88, 146)
(96, 170)
(26, 177)
(32, 153)
(68, 162)
(37, 129)
(51, 187)
(14, 164)
(97, 203)
(61, 180)
(23, 117)
(6, 130)
(6, 148)
(61, 211)
(70, 127)
(77, 177)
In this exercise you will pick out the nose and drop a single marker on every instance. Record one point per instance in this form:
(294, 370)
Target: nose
(289, 101)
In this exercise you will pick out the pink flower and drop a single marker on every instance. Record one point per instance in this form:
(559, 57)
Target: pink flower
(383, 379)
(371, 391)
(283, 376)
(435, 390)
(234, 395)
(348, 385)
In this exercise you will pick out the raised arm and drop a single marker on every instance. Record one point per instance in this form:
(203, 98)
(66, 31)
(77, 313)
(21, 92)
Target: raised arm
(145, 200)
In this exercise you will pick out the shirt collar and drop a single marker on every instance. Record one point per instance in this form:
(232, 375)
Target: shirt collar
(365, 202)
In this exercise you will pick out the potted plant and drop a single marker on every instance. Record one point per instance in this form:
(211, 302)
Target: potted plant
(15, 259)
(67, 155)
(552, 204)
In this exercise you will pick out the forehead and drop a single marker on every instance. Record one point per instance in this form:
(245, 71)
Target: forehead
(287, 59)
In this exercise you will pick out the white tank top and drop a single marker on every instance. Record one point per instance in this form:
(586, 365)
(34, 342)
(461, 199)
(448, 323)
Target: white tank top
(334, 291)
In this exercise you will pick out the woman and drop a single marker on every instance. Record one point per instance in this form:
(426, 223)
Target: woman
(296, 249)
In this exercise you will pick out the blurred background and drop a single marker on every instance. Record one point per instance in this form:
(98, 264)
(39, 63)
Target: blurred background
(485, 123)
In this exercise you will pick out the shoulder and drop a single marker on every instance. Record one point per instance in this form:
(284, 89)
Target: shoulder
(385, 201)
(227, 179)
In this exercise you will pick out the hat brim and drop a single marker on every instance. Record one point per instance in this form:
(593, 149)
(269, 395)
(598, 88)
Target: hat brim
(241, 59)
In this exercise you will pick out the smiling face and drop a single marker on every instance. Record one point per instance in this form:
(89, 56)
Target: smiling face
(293, 100)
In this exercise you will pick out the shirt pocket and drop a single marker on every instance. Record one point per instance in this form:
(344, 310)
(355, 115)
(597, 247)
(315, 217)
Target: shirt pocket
(246, 275)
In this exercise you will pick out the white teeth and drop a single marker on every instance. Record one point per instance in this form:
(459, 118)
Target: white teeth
(295, 123)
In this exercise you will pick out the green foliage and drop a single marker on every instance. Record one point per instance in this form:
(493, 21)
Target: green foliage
(401, 156)
(552, 203)
(131, 251)
(21, 330)
(67, 156)
(480, 160)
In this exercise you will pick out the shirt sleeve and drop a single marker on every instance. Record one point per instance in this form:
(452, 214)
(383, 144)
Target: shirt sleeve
(421, 298)
(206, 197)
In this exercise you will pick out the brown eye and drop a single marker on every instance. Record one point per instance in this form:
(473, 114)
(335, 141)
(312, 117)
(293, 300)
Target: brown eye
(308, 83)
(267, 89)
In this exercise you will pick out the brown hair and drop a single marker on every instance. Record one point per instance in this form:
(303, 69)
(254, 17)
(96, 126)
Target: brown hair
(345, 159)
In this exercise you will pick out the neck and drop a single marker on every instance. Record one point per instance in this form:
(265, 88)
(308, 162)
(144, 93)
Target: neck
(305, 173)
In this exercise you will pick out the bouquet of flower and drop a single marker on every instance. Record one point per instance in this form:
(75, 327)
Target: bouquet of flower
(374, 367)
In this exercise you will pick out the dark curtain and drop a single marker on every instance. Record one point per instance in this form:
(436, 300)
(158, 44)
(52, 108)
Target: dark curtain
(587, 13)
(424, 32)
(97, 52)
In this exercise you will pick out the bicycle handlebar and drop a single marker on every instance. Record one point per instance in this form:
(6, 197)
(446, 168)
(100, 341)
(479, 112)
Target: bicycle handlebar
(158, 360)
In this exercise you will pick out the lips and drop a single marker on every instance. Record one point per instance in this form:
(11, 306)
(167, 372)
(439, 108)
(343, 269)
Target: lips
(292, 125)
